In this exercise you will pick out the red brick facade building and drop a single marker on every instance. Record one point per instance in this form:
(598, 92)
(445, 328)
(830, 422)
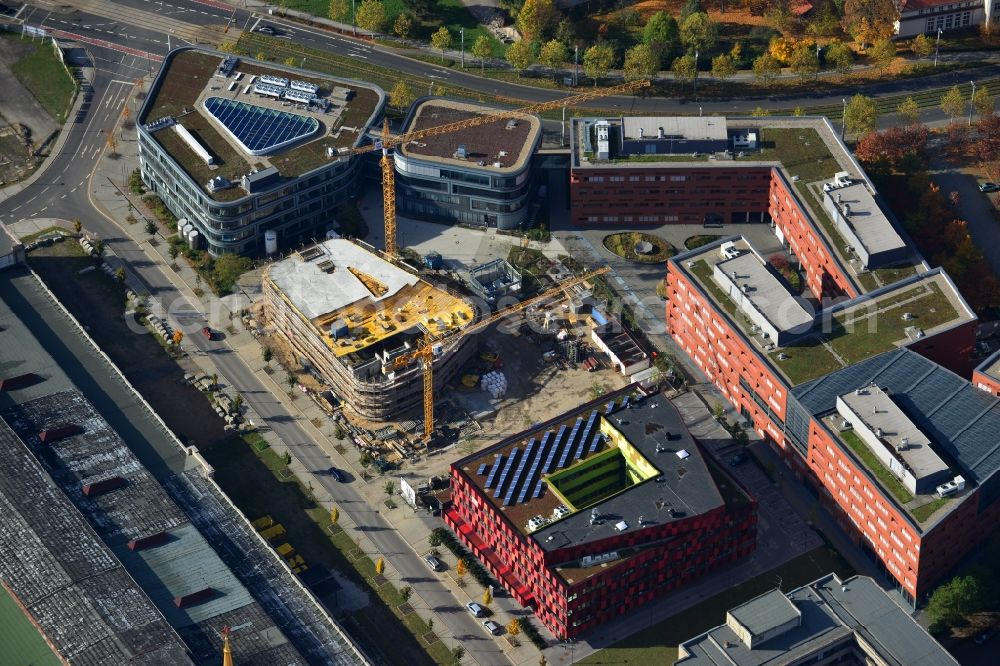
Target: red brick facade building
(582, 568)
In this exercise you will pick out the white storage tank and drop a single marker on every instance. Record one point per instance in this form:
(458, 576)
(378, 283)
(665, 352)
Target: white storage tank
(194, 239)
(270, 241)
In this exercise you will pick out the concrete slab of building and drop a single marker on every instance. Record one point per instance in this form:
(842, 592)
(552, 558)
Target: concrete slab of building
(251, 158)
(586, 517)
(623, 350)
(479, 175)
(830, 620)
(350, 313)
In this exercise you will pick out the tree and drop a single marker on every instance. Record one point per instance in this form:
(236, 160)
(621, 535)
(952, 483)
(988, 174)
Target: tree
(379, 566)
(461, 569)
(537, 19)
(597, 60)
(120, 274)
(862, 115)
(900, 147)
(290, 61)
(227, 47)
(908, 111)
(781, 48)
(338, 10)
(723, 67)
(691, 7)
(98, 247)
(173, 251)
(953, 103)
(406, 592)
(839, 56)
(441, 40)
(238, 404)
(514, 627)
(661, 34)
(215, 381)
(869, 20)
(952, 601)
(699, 32)
(482, 49)
(178, 336)
(77, 226)
(640, 63)
(403, 25)
(291, 380)
(227, 269)
(401, 96)
(371, 16)
(389, 488)
(150, 227)
(458, 652)
(487, 597)
(766, 68)
(684, 68)
(554, 54)
(334, 515)
(921, 46)
(982, 102)
(267, 354)
(434, 539)
(805, 62)
(112, 144)
(882, 53)
(520, 56)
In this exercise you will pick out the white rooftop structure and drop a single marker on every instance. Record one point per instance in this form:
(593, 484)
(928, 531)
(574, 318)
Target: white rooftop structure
(323, 278)
(193, 143)
(778, 314)
(894, 439)
(863, 224)
(711, 128)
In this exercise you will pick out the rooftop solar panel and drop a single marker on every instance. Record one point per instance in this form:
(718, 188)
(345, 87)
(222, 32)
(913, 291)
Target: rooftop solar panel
(538, 489)
(610, 407)
(481, 470)
(260, 130)
(585, 437)
(532, 474)
(494, 470)
(501, 482)
(516, 480)
(596, 442)
(569, 445)
(559, 442)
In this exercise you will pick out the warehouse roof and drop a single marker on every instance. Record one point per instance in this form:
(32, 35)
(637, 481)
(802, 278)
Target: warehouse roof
(867, 219)
(834, 612)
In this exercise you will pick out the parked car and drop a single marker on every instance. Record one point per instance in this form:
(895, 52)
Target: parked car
(267, 30)
(738, 459)
(475, 609)
(492, 627)
(434, 563)
(337, 474)
(985, 636)
(207, 332)
(989, 187)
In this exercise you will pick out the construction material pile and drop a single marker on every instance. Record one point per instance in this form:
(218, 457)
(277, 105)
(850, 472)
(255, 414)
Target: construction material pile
(494, 383)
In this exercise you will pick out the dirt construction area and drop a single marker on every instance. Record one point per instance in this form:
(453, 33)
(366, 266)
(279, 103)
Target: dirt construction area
(541, 381)
(24, 124)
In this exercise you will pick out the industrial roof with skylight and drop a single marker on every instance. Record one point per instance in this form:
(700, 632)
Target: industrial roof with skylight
(259, 130)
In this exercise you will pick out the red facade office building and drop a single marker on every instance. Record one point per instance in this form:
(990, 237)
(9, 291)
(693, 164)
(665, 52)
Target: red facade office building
(599, 511)
(846, 352)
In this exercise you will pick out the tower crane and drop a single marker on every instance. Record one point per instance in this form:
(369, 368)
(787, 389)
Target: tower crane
(389, 140)
(425, 348)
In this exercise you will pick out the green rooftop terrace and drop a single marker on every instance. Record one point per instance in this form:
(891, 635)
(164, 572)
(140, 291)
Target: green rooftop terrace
(861, 330)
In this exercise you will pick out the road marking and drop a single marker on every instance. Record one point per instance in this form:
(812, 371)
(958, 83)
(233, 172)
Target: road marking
(44, 209)
(45, 189)
(31, 199)
(62, 196)
(74, 190)
(14, 209)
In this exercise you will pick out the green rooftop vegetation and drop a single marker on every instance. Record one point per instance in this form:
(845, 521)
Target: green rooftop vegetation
(800, 150)
(924, 511)
(885, 477)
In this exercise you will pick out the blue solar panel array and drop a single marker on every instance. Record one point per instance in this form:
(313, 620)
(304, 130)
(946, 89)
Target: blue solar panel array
(501, 482)
(494, 470)
(258, 128)
(481, 470)
(515, 480)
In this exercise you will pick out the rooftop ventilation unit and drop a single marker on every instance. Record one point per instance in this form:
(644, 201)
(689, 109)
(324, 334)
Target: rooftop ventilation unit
(502, 153)
(954, 486)
(511, 124)
(660, 134)
(847, 210)
(908, 316)
(621, 526)
(461, 153)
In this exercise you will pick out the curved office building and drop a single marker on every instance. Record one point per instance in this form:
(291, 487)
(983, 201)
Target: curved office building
(236, 148)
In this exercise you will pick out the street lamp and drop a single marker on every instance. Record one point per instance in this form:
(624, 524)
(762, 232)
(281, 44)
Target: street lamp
(937, 47)
(843, 122)
(576, 65)
(972, 101)
(695, 80)
(354, 21)
(461, 33)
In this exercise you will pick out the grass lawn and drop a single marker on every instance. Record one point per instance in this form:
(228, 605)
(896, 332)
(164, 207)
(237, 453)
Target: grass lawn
(256, 479)
(44, 76)
(658, 644)
(694, 242)
(23, 645)
(923, 512)
(888, 480)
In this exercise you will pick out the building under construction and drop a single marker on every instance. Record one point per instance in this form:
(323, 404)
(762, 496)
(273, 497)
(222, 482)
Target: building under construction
(350, 314)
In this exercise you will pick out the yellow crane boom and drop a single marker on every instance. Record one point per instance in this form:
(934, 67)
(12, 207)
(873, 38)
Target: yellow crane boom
(425, 353)
(389, 140)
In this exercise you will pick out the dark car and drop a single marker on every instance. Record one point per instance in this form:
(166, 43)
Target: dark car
(983, 637)
(738, 459)
(337, 474)
(207, 332)
(989, 187)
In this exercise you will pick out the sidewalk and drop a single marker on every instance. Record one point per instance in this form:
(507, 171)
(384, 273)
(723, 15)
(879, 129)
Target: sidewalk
(110, 197)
